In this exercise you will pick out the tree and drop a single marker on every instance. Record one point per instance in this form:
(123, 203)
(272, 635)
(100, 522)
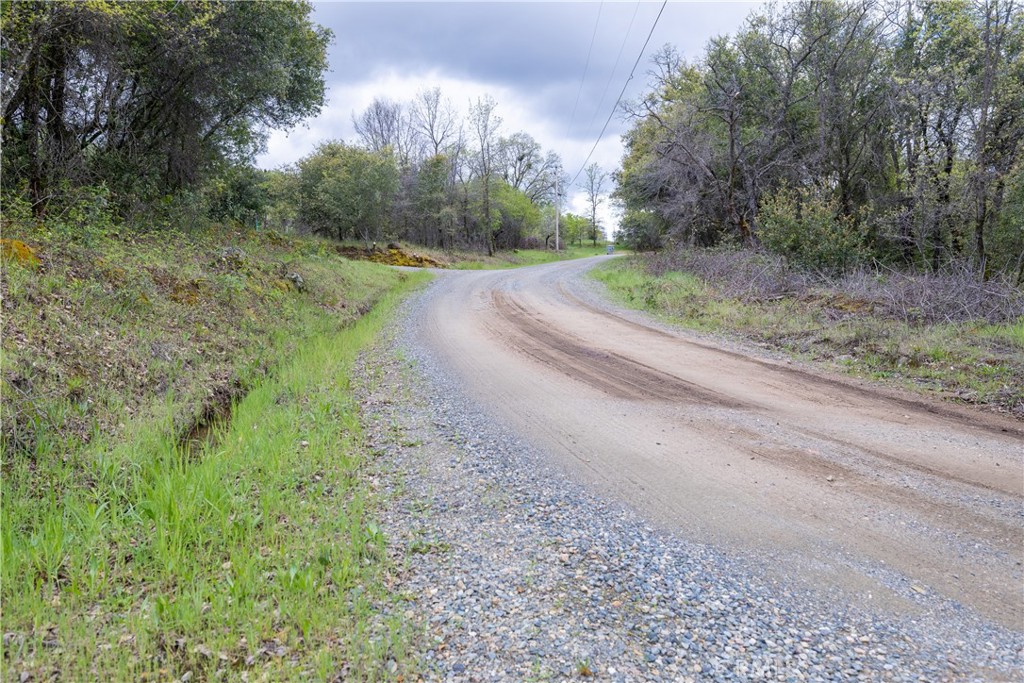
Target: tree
(433, 204)
(594, 187)
(346, 192)
(906, 120)
(998, 118)
(434, 120)
(486, 124)
(525, 167)
(282, 189)
(573, 227)
(387, 126)
(150, 96)
(517, 216)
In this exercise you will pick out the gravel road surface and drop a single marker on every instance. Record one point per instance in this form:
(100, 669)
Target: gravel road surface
(577, 492)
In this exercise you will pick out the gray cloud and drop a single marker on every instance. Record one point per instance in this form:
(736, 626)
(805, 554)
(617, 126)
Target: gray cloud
(533, 47)
(537, 51)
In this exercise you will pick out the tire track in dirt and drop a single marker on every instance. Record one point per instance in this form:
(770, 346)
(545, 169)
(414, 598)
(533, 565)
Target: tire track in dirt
(624, 378)
(866, 490)
(611, 373)
(974, 417)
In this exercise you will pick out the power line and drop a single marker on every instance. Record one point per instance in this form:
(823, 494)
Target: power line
(621, 93)
(622, 46)
(586, 67)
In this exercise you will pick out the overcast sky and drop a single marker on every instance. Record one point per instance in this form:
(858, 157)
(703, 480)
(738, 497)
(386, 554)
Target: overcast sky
(531, 57)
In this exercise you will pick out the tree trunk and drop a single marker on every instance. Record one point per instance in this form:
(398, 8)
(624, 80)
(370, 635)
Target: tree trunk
(36, 179)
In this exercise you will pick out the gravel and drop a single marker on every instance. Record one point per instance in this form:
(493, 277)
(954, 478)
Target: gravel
(511, 571)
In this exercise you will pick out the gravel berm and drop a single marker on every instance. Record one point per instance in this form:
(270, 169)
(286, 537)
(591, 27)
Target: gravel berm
(513, 572)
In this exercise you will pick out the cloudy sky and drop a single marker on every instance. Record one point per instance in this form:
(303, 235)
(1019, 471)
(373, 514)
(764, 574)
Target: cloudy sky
(531, 57)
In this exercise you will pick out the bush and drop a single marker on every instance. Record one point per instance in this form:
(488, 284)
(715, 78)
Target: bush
(956, 295)
(807, 230)
(740, 273)
(641, 231)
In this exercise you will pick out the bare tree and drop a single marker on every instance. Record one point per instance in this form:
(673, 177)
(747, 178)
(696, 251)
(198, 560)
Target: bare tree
(386, 124)
(594, 186)
(525, 167)
(486, 124)
(434, 119)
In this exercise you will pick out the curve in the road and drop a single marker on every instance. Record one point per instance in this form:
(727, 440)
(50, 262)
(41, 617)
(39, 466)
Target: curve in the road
(865, 488)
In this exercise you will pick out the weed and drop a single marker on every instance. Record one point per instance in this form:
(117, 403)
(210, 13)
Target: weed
(127, 554)
(912, 345)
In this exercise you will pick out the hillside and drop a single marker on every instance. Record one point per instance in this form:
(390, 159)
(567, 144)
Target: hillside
(144, 534)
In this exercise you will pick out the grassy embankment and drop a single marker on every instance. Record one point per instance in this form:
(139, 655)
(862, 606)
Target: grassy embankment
(460, 259)
(881, 330)
(146, 533)
(521, 257)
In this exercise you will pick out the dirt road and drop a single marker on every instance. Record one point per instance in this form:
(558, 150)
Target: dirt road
(883, 498)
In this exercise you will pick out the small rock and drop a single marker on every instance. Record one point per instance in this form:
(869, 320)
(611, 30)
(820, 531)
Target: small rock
(233, 256)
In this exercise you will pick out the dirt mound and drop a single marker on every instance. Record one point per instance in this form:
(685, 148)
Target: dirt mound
(394, 255)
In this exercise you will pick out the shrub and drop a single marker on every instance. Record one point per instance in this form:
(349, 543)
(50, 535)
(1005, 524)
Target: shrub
(641, 231)
(957, 295)
(807, 230)
(740, 273)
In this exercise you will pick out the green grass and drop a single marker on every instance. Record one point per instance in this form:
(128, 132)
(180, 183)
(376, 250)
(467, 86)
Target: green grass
(255, 553)
(133, 326)
(128, 553)
(973, 363)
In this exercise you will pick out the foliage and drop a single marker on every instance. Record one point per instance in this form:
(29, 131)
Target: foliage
(517, 216)
(811, 232)
(435, 214)
(593, 185)
(1007, 235)
(134, 548)
(641, 231)
(282, 190)
(240, 194)
(346, 192)
(908, 123)
(463, 183)
(150, 97)
(574, 228)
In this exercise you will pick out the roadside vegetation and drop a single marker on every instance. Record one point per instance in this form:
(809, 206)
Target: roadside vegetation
(182, 457)
(182, 467)
(398, 254)
(182, 492)
(947, 334)
(843, 182)
(839, 136)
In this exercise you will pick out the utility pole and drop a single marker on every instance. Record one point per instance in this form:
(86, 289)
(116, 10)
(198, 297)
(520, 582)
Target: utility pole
(558, 209)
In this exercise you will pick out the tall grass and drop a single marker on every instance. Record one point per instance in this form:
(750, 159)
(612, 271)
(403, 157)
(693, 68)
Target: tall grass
(955, 295)
(253, 554)
(957, 341)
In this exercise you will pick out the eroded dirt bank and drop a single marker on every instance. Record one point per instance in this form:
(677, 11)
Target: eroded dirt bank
(888, 497)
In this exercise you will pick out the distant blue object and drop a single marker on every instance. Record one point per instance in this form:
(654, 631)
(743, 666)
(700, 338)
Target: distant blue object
(611, 249)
